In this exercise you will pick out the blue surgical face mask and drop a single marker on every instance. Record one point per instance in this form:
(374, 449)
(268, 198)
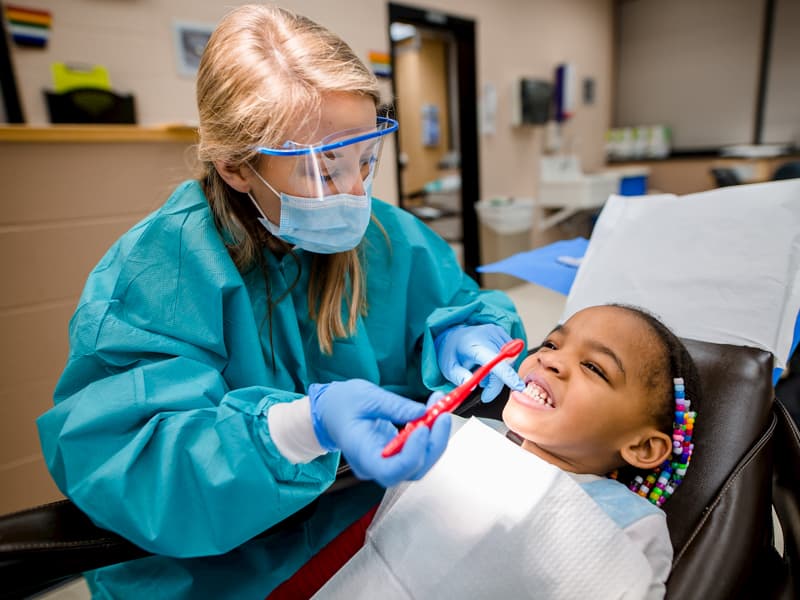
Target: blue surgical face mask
(335, 224)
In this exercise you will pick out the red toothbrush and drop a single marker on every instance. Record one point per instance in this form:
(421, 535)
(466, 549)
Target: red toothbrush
(451, 401)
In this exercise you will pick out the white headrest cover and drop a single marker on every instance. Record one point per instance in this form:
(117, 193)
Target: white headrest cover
(720, 266)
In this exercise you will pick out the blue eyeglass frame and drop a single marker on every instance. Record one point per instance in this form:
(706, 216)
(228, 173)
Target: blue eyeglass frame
(391, 127)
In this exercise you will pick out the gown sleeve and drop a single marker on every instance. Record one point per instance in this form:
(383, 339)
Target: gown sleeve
(441, 295)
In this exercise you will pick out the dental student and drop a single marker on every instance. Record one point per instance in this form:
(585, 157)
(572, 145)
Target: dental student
(268, 321)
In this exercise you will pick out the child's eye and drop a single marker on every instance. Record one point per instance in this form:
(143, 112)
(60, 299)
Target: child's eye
(548, 344)
(596, 370)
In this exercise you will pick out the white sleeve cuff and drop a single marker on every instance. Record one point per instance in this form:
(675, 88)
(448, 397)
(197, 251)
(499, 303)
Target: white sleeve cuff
(292, 431)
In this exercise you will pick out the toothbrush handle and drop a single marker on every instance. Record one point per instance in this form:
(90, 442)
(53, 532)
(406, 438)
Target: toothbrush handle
(398, 441)
(451, 400)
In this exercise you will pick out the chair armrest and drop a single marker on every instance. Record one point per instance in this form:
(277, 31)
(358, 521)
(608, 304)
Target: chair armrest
(43, 545)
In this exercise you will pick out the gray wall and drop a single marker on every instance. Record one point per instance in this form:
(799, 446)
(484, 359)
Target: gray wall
(694, 65)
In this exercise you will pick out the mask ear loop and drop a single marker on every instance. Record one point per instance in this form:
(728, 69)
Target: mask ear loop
(264, 181)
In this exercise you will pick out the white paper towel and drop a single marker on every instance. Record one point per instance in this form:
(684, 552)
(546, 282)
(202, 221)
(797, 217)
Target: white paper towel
(720, 266)
(491, 520)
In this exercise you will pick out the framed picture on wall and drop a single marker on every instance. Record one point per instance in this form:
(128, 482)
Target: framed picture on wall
(190, 41)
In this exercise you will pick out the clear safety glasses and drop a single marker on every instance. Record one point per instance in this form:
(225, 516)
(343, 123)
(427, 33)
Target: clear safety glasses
(338, 164)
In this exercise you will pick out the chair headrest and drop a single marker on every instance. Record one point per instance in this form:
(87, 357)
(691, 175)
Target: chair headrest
(736, 409)
(719, 519)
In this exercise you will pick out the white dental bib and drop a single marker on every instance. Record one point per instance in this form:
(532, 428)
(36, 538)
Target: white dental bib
(491, 520)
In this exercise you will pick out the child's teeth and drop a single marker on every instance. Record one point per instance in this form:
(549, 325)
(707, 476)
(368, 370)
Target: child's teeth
(537, 393)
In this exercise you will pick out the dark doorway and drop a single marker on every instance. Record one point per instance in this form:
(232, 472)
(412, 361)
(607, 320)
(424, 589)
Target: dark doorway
(437, 144)
(10, 108)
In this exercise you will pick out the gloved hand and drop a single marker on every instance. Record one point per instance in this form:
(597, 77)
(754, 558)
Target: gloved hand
(462, 348)
(356, 417)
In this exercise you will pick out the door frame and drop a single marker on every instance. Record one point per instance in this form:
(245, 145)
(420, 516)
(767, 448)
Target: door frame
(8, 84)
(463, 32)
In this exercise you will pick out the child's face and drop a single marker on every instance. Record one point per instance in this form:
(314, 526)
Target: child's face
(586, 398)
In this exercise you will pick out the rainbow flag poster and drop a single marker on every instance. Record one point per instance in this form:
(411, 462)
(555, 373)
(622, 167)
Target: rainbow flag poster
(381, 63)
(28, 26)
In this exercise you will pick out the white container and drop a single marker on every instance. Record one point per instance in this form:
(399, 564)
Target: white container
(506, 215)
(588, 191)
(506, 227)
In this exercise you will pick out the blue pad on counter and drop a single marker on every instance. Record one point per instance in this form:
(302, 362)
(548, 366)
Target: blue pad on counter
(553, 266)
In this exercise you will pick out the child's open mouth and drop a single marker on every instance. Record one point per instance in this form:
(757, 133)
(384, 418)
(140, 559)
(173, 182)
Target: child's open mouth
(537, 394)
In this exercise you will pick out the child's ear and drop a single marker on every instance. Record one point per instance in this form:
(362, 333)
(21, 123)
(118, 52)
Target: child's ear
(648, 450)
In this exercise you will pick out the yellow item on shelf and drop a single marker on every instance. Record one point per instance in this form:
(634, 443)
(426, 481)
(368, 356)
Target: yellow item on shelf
(72, 76)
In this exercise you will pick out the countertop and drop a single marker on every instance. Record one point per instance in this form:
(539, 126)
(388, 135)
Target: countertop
(98, 133)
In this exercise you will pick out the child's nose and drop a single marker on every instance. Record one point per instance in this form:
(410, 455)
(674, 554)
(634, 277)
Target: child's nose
(552, 362)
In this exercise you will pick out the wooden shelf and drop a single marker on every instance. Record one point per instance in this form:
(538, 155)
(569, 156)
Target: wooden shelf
(97, 133)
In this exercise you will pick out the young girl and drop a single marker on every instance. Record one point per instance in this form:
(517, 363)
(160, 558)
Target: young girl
(607, 394)
(606, 398)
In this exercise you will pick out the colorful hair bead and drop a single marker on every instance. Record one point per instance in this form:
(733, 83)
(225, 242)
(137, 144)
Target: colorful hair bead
(659, 485)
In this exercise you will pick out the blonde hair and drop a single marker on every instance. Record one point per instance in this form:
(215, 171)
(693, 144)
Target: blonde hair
(266, 70)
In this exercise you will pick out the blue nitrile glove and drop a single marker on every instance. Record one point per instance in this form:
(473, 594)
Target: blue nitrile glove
(462, 348)
(439, 436)
(356, 416)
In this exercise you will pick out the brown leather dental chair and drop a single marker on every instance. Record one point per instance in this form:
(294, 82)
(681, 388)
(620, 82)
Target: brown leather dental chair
(727, 544)
(746, 460)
